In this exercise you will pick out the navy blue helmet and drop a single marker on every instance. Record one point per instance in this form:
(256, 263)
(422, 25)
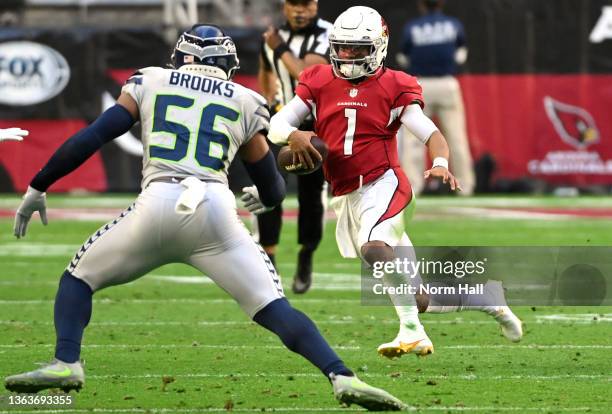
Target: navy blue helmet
(206, 44)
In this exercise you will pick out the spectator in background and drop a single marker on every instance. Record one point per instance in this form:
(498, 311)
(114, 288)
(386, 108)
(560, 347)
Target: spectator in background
(432, 48)
(286, 51)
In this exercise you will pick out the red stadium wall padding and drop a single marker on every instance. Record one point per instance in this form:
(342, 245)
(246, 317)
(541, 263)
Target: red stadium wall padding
(554, 127)
(23, 159)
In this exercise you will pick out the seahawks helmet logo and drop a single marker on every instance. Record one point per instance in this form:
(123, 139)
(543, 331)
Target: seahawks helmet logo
(574, 125)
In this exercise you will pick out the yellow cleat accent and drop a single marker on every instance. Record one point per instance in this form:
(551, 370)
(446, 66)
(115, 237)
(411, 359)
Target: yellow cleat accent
(396, 350)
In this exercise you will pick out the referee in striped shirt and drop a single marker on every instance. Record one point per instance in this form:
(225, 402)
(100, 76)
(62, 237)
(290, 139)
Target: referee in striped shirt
(286, 51)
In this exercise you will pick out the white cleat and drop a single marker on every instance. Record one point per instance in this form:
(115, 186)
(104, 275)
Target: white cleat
(418, 344)
(511, 325)
(351, 390)
(55, 374)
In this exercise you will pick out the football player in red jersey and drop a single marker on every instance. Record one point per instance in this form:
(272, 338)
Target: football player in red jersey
(359, 105)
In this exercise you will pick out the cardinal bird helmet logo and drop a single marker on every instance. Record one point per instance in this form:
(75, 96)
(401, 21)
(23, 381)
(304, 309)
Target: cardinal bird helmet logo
(574, 125)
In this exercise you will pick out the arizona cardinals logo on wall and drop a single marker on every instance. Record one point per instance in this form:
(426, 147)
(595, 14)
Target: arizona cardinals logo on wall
(573, 124)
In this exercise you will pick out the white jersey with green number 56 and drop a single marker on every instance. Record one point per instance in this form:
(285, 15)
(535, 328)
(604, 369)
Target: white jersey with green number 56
(192, 125)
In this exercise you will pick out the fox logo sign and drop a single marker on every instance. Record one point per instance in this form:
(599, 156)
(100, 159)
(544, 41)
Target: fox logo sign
(574, 125)
(31, 73)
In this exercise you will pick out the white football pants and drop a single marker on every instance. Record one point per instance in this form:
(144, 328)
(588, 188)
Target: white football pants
(150, 234)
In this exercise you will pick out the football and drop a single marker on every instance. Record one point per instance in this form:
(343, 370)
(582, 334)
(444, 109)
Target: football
(285, 158)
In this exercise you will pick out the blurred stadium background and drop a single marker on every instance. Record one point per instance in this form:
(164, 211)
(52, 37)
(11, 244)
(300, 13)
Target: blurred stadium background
(536, 85)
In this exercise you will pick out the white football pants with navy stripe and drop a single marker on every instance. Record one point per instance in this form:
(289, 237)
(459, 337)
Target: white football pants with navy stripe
(150, 234)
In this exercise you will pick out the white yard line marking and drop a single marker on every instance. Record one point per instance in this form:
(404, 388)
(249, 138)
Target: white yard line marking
(330, 321)
(167, 346)
(28, 283)
(519, 409)
(37, 249)
(530, 346)
(97, 201)
(246, 323)
(576, 317)
(122, 200)
(435, 201)
(356, 347)
(325, 281)
(467, 377)
(487, 213)
(540, 319)
(334, 277)
(197, 280)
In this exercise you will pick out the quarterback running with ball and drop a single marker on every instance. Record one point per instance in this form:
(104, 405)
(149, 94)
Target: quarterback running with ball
(359, 105)
(194, 121)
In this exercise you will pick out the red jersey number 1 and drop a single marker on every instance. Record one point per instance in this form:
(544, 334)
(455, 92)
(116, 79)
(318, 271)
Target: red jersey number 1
(351, 115)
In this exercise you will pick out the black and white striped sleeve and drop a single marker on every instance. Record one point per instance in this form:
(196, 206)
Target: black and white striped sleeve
(320, 40)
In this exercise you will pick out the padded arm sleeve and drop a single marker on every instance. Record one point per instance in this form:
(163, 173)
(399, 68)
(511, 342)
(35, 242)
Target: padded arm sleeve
(418, 123)
(270, 184)
(114, 122)
(287, 120)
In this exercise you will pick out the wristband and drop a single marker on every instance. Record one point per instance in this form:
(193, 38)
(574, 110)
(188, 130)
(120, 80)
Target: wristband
(280, 49)
(440, 162)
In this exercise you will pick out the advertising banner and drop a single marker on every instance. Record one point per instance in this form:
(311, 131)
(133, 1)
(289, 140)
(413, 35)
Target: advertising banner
(54, 83)
(555, 128)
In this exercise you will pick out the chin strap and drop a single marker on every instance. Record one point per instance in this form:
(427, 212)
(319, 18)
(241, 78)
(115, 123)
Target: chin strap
(205, 70)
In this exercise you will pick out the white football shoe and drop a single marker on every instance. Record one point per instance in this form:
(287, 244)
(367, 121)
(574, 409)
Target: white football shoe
(55, 374)
(511, 325)
(413, 342)
(351, 390)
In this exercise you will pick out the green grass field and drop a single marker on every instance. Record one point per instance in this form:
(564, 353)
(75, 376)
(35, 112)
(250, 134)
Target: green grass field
(162, 345)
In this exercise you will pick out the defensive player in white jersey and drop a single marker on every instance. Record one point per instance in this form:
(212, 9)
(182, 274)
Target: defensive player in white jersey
(13, 134)
(194, 121)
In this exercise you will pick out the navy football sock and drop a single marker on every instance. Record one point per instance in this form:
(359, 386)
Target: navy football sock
(300, 335)
(72, 314)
